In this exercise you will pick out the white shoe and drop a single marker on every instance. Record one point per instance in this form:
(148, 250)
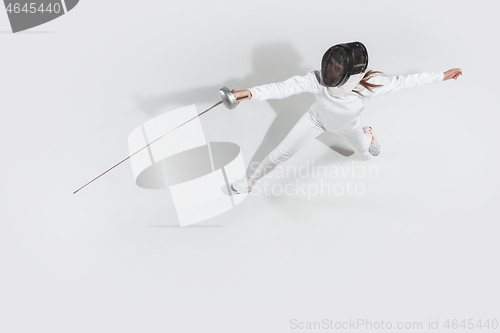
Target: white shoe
(242, 186)
(374, 148)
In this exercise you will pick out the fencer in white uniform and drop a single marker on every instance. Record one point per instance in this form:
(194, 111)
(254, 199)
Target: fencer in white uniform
(337, 110)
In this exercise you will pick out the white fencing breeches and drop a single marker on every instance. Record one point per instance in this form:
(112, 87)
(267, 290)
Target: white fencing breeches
(306, 129)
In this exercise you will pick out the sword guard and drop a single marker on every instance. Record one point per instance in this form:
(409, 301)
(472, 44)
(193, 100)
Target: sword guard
(228, 98)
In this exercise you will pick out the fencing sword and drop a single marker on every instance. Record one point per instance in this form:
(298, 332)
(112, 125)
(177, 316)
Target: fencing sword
(227, 98)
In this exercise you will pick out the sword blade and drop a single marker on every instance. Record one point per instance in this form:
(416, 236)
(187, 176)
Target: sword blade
(117, 164)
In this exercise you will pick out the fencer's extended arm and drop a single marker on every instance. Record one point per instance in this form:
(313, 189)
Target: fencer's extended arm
(400, 82)
(292, 86)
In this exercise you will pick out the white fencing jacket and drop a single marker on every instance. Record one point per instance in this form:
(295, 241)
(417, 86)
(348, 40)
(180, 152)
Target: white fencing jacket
(339, 110)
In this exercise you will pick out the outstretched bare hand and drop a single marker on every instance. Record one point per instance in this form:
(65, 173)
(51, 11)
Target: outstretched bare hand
(453, 73)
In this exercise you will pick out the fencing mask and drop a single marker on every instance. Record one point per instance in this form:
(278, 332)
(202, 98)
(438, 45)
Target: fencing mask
(343, 61)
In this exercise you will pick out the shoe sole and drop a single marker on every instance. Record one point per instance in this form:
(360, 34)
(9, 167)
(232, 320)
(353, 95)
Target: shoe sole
(236, 192)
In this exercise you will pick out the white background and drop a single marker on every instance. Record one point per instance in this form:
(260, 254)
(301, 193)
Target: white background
(420, 244)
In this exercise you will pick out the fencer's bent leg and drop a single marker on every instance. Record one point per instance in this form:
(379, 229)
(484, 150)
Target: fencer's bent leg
(305, 129)
(356, 138)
